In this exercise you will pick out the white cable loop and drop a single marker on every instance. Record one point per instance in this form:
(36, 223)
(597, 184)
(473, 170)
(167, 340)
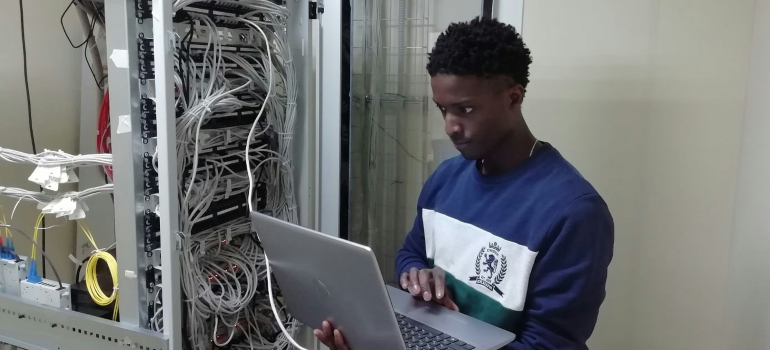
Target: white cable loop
(220, 280)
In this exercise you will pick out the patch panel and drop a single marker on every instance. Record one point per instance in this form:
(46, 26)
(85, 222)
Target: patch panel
(47, 292)
(13, 272)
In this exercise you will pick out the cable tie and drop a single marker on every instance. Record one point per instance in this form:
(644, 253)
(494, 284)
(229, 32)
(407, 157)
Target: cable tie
(101, 250)
(76, 261)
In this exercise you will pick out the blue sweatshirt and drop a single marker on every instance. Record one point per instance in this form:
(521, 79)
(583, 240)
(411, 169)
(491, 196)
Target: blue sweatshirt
(526, 251)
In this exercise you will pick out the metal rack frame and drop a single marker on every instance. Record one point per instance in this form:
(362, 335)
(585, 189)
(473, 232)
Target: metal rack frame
(37, 327)
(170, 237)
(330, 87)
(126, 147)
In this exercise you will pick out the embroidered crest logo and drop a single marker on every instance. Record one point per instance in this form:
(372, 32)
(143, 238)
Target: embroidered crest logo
(491, 267)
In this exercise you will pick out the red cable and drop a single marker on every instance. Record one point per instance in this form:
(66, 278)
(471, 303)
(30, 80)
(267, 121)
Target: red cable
(103, 142)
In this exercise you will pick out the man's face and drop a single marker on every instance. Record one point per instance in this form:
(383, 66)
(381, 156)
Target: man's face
(479, 113)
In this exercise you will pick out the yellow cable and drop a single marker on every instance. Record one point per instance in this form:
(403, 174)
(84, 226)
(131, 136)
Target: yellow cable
(34, 235)
(5, 222)
(87, 231)
(97, 295)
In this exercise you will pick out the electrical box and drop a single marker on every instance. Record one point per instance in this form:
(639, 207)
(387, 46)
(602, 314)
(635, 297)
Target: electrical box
(47, 292)
(13, 272)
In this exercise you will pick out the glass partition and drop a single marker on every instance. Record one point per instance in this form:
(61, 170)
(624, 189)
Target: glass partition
(397, 138)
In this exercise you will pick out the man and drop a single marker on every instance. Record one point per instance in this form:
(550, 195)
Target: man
(509, 233)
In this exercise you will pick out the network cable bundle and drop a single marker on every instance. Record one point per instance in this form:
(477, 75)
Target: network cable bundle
(236, 93)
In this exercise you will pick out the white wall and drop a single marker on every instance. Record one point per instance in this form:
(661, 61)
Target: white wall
(748, 312)
(646, 99)
(693, 139)
(54, 76)
(589, 96)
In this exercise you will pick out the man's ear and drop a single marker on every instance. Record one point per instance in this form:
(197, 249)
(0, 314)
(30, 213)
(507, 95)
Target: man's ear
(514, 92)
(516, 95)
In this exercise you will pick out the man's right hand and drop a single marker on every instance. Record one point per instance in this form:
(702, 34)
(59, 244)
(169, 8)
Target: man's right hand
(428, 284)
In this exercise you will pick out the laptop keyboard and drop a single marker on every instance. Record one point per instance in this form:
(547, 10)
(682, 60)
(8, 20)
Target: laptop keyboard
(418, 336)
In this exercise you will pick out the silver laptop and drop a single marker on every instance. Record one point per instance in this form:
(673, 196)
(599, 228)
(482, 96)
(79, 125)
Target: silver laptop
(327, 278)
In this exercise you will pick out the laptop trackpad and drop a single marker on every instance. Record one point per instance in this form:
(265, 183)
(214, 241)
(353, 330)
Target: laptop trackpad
(456, 324)
(438, 317)
(431, 314)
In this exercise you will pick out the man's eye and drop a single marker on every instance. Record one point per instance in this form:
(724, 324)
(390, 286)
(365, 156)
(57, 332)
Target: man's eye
(466, 110)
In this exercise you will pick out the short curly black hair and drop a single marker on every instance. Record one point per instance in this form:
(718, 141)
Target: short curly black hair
(482, 47)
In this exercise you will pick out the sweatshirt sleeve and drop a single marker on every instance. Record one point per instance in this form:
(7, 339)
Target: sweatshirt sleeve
(567, 284)
(413, 254)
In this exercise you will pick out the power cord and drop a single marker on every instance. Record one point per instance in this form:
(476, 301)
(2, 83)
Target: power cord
(26, 76)
(61, 20)
(85, 54)
(29, 101)
(89, 35)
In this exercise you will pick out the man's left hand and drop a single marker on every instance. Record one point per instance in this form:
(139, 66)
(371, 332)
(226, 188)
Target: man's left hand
(331, 337)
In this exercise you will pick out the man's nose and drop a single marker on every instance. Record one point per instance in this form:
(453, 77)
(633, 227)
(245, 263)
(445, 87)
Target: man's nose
(452, 126)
